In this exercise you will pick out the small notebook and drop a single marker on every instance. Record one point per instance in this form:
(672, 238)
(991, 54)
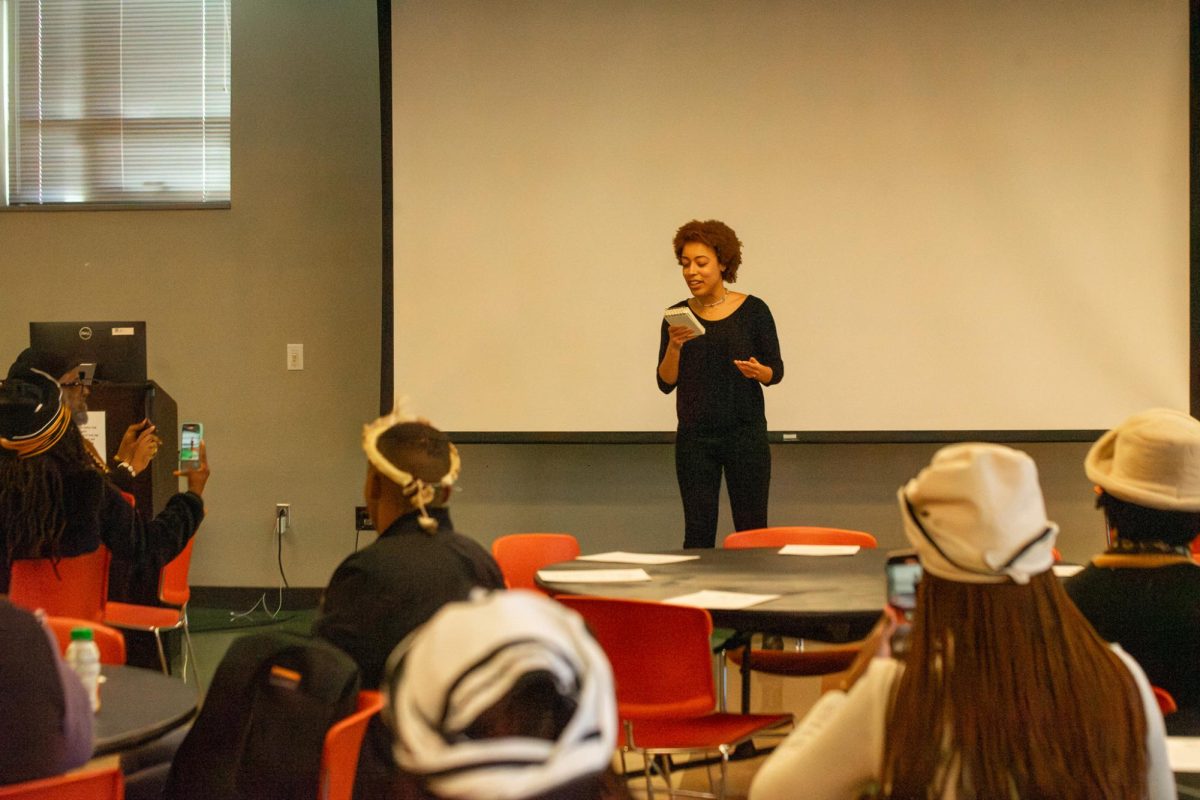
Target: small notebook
(683, 315)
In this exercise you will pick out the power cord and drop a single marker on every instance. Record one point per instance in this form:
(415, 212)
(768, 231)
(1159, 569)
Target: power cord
(283, 581)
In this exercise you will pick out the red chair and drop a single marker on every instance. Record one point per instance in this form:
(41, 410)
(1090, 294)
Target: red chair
(793, 663)
(1166, 703)
(521, 555)
(339, 757)
(76, 586)
(174, 590)
(664, 681)
(109, 640)
(94, 784)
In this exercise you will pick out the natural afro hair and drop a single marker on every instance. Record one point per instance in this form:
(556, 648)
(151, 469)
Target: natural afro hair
(717, 235)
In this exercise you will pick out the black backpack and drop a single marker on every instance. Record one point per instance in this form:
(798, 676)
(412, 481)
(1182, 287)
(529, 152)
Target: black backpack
(261, 729)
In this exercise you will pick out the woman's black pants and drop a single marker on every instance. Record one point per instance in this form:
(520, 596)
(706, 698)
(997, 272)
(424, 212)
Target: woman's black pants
(744, 457)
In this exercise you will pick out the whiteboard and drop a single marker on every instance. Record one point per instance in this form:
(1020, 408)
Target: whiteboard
(963, 216)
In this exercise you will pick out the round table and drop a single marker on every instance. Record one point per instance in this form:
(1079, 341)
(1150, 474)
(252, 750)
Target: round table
(138, 706)
(829, 598)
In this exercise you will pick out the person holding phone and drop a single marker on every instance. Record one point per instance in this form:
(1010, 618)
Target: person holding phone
(56, 502)
(1006, 690)
(717, 378)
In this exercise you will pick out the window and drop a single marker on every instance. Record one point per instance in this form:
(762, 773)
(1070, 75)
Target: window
(115, 103)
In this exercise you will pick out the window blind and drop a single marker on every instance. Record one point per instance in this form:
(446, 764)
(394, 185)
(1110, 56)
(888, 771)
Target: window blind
(118, 102)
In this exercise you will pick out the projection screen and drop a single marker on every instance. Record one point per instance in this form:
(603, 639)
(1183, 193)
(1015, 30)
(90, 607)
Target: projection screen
(964, 216)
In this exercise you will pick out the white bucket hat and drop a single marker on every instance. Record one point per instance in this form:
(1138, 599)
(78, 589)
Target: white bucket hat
(976, 515)
(468, 657)
(1151, 459)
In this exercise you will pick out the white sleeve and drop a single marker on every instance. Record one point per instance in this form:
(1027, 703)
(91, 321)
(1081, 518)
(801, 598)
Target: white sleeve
(1160, 781)
(838, 748)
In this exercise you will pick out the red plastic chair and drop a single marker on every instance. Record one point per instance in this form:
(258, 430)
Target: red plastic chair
(793, 663)
(109, 640)
(664, 679)
(174, 590)
(521, 555)
(339, 757)
(1166, 703)
(76, 586)
(95, 784)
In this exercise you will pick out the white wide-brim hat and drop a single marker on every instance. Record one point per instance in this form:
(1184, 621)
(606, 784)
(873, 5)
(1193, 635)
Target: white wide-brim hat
(1151, 459)
(976, 515)
(468, 657)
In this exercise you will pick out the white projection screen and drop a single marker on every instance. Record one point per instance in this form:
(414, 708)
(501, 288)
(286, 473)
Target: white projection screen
(964, 216)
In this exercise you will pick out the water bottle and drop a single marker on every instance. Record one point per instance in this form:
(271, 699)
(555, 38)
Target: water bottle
(83, 656)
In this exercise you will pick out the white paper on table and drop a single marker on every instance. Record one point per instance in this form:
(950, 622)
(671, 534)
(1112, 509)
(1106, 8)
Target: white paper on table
(621, 557)
(1183, 753)
(1067, 570)
(711, 598)
(592, 575)
(819, 550)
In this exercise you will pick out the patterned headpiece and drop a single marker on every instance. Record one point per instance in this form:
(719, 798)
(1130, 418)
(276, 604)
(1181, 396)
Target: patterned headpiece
(423, 491)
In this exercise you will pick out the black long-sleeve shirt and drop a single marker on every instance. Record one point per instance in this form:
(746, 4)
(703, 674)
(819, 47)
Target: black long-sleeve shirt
(713, 395)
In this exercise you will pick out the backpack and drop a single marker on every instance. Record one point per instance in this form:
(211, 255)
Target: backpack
(261, 730)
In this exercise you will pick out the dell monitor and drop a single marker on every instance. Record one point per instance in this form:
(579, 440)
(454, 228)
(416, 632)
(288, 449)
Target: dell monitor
(118, 349)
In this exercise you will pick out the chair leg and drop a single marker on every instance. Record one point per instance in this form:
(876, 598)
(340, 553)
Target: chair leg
(190, 654)
(162, 655)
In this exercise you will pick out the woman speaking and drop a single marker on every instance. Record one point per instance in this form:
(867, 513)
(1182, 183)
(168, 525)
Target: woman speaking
(719, 375)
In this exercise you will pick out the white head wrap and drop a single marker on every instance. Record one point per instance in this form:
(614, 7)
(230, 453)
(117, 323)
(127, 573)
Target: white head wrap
(421, 493)
(464, 660)
(976, 515)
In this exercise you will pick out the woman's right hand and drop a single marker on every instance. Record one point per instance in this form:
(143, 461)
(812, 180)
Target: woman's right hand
(198, 476)
(677, 335)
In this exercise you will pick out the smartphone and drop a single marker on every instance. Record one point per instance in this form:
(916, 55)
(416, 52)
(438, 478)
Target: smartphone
(190, 434)
(85, 374)
(903, 574)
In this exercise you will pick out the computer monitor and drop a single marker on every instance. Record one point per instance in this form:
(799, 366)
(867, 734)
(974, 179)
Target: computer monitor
(118, 349)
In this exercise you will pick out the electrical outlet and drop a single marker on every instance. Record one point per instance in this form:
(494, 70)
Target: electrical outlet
(362, 520)
(283, 517)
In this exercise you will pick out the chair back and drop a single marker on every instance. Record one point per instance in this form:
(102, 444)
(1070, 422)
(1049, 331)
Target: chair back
(778, 537)
(659, 653)
(521, 555)
(1166, 703)
(93, 784)
(76, 586)
(110, 641)
(339, 757)
(173, 586)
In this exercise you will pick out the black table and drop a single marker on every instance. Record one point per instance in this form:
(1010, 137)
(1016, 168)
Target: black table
(138, 706)
(828, 598)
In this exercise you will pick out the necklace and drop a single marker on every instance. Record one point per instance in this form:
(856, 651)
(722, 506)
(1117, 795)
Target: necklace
(712, 305)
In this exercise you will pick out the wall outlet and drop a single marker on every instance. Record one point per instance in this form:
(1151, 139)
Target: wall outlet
(283, 517)
(362, 520)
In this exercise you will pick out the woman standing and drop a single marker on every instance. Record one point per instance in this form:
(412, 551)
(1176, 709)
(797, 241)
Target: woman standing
(719, 376)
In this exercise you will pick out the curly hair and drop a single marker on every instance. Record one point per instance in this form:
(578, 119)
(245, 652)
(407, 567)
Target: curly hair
(1140, 523)
(717, 235)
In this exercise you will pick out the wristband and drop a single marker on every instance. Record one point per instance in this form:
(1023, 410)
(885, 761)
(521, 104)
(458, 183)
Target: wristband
(125, 465)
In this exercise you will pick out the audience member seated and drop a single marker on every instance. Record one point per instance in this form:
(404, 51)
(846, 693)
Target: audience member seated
(378, 595)
(45, 713)
(56, 501)
(1005, 691)
(1143, 592)
(503, 697)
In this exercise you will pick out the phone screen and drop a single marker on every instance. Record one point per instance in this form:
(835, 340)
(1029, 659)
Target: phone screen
(190, 434)
(903, 575)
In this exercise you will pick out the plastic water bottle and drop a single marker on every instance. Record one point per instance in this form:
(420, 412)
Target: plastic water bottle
(83, 656)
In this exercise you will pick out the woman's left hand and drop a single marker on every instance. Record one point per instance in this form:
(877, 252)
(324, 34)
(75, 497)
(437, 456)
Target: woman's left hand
(139, 445)
(754, 370)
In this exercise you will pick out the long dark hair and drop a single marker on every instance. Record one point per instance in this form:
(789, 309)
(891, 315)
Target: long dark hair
(44, 496)
(1007, 691)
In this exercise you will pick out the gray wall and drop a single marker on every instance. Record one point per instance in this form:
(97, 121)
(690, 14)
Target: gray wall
(297, 259)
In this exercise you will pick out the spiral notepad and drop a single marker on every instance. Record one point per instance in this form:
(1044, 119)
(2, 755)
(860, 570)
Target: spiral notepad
(682, 315)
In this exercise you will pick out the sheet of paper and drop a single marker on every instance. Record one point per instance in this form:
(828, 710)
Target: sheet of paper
(1183, 753)
(93, 431)
(711, 598)
(1067, 570)
(818, 550)
(621, 557)
(593, 575)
